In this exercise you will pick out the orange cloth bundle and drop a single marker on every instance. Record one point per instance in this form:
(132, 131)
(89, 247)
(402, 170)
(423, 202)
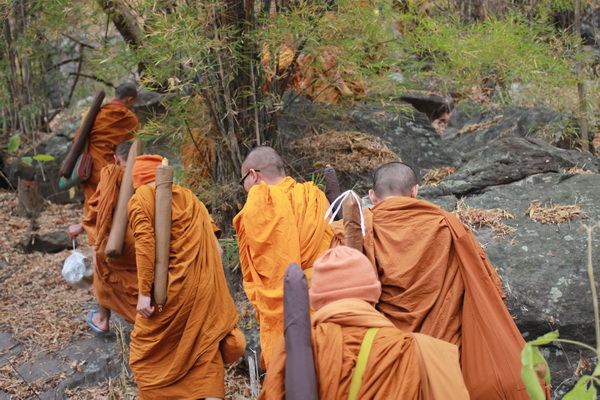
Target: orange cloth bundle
(349, 274)
(144, 169)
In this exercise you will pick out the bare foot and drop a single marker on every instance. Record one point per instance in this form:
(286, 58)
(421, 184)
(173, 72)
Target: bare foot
(101, 318)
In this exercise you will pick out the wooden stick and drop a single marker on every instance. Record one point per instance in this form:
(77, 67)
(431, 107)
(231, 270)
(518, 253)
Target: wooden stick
(116, 237)
(162, 232)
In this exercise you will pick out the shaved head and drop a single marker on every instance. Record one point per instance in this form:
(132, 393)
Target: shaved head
(394, 179)
(122, 150)
(266, 160)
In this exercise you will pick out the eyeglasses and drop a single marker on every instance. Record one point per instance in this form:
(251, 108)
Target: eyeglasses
(248, 173)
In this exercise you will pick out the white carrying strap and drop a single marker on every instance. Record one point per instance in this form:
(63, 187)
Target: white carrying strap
(340, 201)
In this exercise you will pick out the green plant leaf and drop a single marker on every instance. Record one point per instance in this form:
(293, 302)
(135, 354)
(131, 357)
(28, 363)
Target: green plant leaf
(43, 157)
(27, 160)
(596, 370)
(530, 358)
(545, 339)
(584, 390)
(14, 142)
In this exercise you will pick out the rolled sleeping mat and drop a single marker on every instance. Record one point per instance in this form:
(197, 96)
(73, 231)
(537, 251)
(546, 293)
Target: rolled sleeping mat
(352, 231)
(162, 231)
(116, 237)
(66, 168)
(332, 187)
(300, 376)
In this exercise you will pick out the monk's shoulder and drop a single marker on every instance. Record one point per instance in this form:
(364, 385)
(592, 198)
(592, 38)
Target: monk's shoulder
(142, 198)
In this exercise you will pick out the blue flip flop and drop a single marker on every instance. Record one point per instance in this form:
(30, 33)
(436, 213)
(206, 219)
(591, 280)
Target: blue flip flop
(90, 321)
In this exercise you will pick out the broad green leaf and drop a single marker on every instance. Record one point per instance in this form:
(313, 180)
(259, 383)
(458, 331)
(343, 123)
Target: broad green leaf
(43, 157)
(530, 358)
(14, 142)
(545, 339)
(584, 390)
(27, 160)
(597, 369)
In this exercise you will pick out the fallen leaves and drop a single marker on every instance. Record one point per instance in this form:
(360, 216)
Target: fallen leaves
(555, 214)
(436, 175)
(477, 218)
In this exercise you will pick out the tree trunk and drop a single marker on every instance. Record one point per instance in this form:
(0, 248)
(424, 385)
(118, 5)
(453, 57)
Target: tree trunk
(581, 90)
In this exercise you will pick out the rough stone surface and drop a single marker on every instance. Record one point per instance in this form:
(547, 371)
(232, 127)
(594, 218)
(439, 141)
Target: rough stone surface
(51, 242)
(509, 159)
(543, 266)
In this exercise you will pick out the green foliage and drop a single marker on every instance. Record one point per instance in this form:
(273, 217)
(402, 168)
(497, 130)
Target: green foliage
(532, 361)
(585, 389)
(495, 52)
(13, 143)
(43, 157)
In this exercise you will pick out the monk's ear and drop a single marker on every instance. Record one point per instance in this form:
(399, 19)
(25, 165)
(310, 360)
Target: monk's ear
(373, 197)
(414, 191)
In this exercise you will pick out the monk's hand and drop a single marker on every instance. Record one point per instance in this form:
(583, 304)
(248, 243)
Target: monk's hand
(144, 306)
(74, 230)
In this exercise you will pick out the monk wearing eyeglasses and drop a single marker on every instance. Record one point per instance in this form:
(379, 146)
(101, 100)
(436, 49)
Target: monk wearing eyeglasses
(281, 223)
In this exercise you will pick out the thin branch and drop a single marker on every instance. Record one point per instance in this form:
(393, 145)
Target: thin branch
(590, 269)
(76, 76)
(89, 46)
(60, 64)
(93, 77)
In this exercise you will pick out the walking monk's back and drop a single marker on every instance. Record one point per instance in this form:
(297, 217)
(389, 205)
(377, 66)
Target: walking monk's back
(115, 278)
(436, 279)
(175, 354)
(114, 124)
(281, 223)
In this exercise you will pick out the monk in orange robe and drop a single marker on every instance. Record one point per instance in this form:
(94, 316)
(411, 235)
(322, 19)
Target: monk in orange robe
(176, 354)
(399, 365)
(114, 124)
(436, 279)
(281, 223)
(115, 279)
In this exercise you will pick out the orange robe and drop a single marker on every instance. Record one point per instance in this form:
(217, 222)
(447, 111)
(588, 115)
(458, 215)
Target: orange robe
(175, 354)
(400, 365)
(279, 224)
(436, 279)
(115, 279)
(114, 124)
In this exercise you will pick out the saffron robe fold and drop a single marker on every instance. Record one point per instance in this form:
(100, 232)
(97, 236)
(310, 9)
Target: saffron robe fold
(279, 225)
(175, 353)
(400, 365)
(436, 279)
(115, 278)
(114, 124)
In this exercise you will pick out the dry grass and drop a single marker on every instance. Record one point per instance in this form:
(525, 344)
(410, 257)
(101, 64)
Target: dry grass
(477, 218)
(481, 125)
(347, 151)
(578, 171)
(555, 214)
(436, 175)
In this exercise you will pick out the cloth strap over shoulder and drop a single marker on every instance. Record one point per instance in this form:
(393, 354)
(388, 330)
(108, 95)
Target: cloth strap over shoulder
(361, 363)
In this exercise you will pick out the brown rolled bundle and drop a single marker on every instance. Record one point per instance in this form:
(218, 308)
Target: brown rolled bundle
(85, 128)
(300, 375)
(352, 232)
(116, 238)
(162, 231)
(332, 186)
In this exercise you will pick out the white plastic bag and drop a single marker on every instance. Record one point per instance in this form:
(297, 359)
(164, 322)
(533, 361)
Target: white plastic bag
(77, 269)
(74, 267)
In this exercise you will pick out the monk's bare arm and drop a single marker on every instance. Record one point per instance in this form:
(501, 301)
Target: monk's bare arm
(143, 232)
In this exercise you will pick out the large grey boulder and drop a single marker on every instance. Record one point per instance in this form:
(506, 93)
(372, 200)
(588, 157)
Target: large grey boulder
(509, 159)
